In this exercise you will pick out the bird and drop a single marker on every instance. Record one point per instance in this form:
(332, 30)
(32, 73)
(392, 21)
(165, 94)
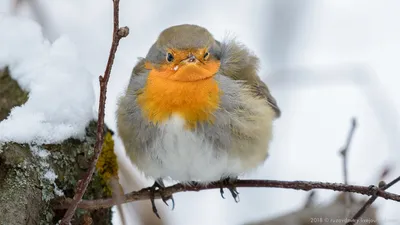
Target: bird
(196, 110)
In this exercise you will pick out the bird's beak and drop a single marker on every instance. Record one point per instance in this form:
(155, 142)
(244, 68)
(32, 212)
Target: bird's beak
(190, 59)
(190, 68)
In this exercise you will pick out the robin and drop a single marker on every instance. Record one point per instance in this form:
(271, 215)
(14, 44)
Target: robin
(195, 110)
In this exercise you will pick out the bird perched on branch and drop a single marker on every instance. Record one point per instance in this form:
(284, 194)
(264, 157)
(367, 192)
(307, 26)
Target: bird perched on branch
(196, 110)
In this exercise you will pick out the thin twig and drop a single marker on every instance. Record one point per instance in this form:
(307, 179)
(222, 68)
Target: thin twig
(393, 182)
(82, 185)
(367, 204)
(118, 196)
(310, 199)
(145, 194)
(344, 152)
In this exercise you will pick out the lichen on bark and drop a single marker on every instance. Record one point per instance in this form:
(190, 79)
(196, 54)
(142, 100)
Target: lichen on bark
(25, 192)
(11, 94)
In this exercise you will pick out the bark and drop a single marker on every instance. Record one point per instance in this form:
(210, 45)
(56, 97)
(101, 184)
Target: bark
(25, 193)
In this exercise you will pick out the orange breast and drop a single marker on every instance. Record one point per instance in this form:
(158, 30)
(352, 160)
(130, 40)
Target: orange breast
(193, 101)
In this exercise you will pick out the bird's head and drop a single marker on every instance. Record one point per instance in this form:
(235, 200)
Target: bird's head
(184, 53)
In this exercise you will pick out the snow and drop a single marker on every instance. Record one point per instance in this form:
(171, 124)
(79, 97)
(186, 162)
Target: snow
(42, 153)
(50, 175)
(46, 172)
(61, 95)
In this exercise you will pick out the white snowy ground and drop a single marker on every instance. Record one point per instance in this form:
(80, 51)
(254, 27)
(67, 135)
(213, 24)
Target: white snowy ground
(343, 63)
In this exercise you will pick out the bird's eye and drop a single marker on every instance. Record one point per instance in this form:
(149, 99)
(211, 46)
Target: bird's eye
(170, 57)
(206, 55)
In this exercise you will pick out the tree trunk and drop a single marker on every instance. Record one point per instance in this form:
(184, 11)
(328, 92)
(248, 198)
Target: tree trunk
(27, 181)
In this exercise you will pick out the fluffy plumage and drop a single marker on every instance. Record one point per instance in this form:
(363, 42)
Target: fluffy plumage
(230, 138)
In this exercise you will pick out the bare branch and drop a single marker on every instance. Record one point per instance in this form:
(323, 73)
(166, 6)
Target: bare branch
(344, 152)
(310, 199)
(118, 197)
(393, 182)
(145, 194)
(385, 172)
(82, 185)
(382, 187)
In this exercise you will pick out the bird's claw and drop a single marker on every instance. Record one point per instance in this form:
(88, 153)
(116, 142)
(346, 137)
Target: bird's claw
(160, 186)
(152, 191)
(229, 182)
(235, 193)
(221, 189)
(166, 198)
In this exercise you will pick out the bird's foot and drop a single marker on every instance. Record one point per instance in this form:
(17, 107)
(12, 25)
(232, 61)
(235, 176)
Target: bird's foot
(159, 184)
(229, 183)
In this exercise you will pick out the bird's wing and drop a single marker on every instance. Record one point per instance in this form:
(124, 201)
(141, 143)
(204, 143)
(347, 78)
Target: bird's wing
(261, 89)
(238, 63)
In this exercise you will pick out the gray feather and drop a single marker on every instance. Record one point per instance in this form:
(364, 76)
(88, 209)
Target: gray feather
(238, 63)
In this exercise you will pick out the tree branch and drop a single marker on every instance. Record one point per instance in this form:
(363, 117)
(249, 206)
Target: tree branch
(344, 152)
(371, 200)
(82, 185)
(296, 185)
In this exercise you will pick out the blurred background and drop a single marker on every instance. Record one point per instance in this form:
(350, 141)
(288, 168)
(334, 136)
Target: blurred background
(324, 61)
